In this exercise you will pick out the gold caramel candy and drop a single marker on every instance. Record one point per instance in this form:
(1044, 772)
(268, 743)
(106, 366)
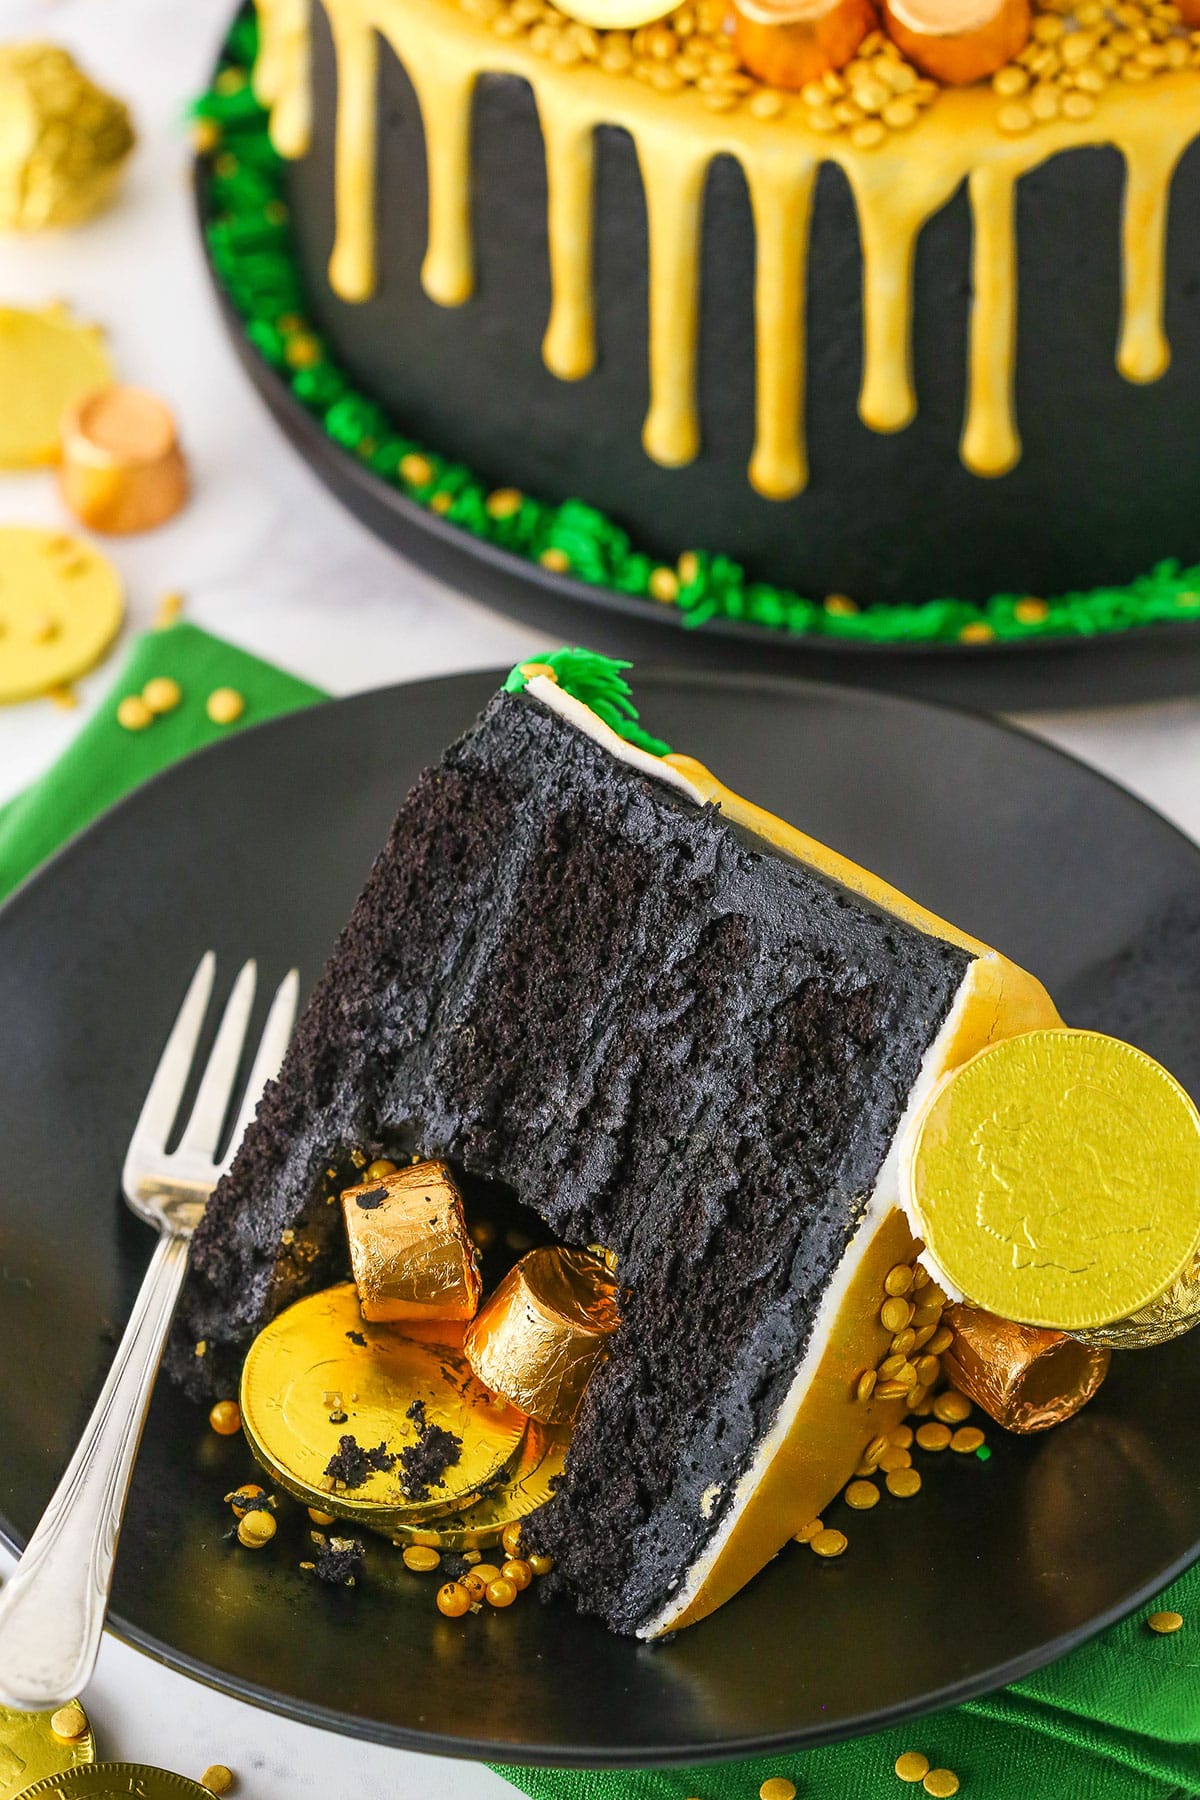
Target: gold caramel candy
(48, 361)
(319, 1373)
(788, 43)
(1055, 1179)
(63, 140)
(121, 468)
(410, 1251)
(958, 41)
(1024, 1377)
(544, 1330)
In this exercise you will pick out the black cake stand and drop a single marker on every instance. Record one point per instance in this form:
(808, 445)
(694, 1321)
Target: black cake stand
(1144, 663)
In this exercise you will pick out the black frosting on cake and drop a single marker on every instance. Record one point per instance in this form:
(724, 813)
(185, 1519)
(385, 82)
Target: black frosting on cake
(1106, 487)
(564, 976)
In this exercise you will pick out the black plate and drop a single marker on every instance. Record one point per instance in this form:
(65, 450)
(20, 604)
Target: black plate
(258, 846)
(1145, 663)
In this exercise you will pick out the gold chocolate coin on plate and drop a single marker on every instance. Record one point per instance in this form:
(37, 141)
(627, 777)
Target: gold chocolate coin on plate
(61, 606)
(48, 361)
(321, 1372)
(30, 1748)
(528, 1486)
(116, 1781)
(1055, 1179)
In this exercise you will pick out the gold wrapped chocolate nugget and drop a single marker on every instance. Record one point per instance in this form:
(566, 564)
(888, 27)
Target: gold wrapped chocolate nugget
(1055, 1181)
(410, 1251)
(544, 1330)
(1024, 1377)
(63, 140)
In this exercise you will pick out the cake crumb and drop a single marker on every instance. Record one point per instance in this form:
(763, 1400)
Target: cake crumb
(350, 1464)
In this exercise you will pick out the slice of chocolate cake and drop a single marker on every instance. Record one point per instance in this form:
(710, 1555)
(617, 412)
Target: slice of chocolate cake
(670, 1025)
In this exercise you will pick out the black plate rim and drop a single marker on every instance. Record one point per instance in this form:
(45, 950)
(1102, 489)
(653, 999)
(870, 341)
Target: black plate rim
(605, 1756)
(335, 465)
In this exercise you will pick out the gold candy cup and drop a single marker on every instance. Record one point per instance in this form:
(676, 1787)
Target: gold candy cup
(788, 43)
(121, 467)
(958, 41)
(410, 1252)
(1024, 1377)
(543, 1332)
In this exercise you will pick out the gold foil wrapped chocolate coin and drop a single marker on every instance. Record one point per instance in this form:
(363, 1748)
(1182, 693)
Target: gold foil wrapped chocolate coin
(541, 1460)
(1055, 1180)
(31, 1749)
(544, 1330)
(958, 41)
(61, 606)
(1024, 1377)
(63, 140)
(410, 1251)
(116, 1781)
(319, 1375)
(48, 361)
(788, 43)
(121, 468)
(1168, 1316)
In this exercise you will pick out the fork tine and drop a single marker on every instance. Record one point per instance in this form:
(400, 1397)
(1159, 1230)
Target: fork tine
(212, 1102)
(272, 1044)
(170, 1078)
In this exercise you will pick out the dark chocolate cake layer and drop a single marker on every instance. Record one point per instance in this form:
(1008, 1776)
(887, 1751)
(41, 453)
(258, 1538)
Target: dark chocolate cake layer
(563, 976)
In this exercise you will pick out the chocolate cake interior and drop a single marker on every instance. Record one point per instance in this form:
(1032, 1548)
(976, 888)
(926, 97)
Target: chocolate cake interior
(660, 1035)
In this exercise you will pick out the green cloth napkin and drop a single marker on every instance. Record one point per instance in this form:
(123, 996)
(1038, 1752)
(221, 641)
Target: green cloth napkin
(1117, 1720)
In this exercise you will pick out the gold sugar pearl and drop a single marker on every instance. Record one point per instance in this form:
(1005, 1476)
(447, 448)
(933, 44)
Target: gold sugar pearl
(904, 1341)
(417, 471)
(541, 1565)
(902, 1437)
(866, 1384)
(217, 1778)
(320, 1518)
(861, 1495)
(256, 1529)
(966, 1439)
(475, 1588)
(1164, 1623)
(808, 1532)
(941, 1783)
(829, 1542)
(557, 561)
(162, 694)
(891, 1366)
(912, 1766)
(501, 1592)
(892, 1390)
(928, 1370)
(898, 1281)
(422, 1559)
(241, 1497)
(902, 1484)
(894, 1458)
(226, 1418)
(952, 1408)
(941, 1340)
(69, 1723)
(380, 1169)
(895, 1314)
(453, 1599)
(224, 705)
(518, 1571)
(934, 1436)
(504, 503)
(777, 1787)
(485, 1572)
(875, 1449)
(510, 1537)
(133, 714)
(664, 585)
(1014, 119)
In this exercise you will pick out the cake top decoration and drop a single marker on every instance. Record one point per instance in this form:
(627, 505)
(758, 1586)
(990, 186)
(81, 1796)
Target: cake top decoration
(596, 682)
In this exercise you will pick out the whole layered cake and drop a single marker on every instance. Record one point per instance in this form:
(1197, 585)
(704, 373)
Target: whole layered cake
(756, 1151)
(846, 309)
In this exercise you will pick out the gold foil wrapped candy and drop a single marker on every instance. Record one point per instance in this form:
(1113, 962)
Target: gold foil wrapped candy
(121, 468)
(789, 43)
(1026, 1378)
(958, 41)
(544, 1331)
(63, 140)
(410, 1252)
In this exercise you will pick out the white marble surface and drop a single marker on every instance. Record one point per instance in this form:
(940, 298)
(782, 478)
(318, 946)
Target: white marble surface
(267, 558)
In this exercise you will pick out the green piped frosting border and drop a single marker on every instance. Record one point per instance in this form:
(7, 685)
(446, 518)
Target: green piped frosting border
(598, 683)
(249, 242)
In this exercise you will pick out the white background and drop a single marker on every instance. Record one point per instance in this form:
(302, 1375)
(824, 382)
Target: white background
(268, 559)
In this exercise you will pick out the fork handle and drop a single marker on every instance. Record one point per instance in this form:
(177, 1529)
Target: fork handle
(52, 1611)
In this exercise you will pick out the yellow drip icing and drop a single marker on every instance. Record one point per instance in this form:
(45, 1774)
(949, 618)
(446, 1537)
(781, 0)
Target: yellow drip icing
(896, 189)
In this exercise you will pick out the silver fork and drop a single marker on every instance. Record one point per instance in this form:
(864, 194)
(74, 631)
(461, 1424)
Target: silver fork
(52, 1611)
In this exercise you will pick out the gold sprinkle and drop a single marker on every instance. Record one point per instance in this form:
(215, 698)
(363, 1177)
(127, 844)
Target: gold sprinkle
(979, 633)
(903, 1483)
(162, 694)
(256, 1529)
(902, 1437)
(777, 1787)
(64, 696)
(225, 1418)
(504, 503)
(69, 1723)
(1164, 1623)
(422, 1559)
(912, 1766)
(861, 1495)
(866, 1384)
(895, 1314)
(952, 1407)
(891, 1390)
(966, 1439)
(941, 1340)
(556, 560)
(899, 1280)
(201, 1347)
(664, 585)
(894, 1458)
(941, 1783)
(217, 1778)
(829, 1542)
(904, 1341)
(934, 1436)
(840, 605)
(689, 567)
(1030, 611)
(928, 1369)
(808, 1532)
(133, 714)
(224, 705)
(418, 471)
